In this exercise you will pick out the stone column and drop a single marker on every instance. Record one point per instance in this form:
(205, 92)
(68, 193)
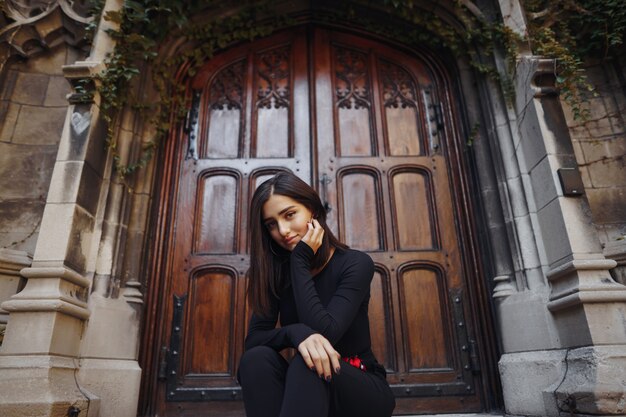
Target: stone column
(40, 356)
(587, 307)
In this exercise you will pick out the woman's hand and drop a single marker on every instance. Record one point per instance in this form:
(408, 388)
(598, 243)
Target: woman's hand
(314, 235)
(320, 356)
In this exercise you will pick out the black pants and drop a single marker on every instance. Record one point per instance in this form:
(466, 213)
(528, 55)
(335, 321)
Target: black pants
(273, 387)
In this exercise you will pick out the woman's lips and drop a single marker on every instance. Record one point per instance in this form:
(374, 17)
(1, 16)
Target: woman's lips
(289, 240)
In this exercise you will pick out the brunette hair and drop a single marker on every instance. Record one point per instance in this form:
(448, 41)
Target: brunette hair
(265, 276)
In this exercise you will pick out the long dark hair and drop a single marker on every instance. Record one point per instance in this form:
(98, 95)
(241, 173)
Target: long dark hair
(266, 274)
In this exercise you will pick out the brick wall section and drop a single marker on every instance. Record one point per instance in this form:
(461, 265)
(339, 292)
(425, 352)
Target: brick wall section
(600, 146)
(33, 106)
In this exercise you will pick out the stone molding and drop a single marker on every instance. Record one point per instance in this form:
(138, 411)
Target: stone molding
(36, 26)
(57, 297)
(617, 251)
(587, 289)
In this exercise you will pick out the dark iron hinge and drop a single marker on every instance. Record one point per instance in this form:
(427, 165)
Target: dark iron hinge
(474, 359)
(163, 363)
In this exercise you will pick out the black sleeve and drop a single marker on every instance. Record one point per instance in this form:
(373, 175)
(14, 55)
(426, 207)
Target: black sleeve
(262, 331)
(333, 320)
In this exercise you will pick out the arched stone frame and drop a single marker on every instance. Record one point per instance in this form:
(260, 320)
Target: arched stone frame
(124, 230)
(460, 89)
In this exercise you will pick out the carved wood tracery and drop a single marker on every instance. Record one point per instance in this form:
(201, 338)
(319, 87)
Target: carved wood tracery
(352, 79)
(273, 79)
(226, 91)
(399, 89)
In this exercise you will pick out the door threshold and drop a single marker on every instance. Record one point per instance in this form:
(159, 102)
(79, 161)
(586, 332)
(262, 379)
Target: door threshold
(453, 415)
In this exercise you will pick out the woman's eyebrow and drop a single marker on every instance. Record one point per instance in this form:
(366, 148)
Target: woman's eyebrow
(279, 213)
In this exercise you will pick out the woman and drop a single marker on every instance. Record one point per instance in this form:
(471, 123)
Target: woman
(320, 289)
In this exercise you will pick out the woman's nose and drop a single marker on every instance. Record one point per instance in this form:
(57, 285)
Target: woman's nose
(283, 228)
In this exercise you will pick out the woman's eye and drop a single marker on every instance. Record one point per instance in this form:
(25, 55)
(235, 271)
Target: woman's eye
(290, 214)
(270, 225)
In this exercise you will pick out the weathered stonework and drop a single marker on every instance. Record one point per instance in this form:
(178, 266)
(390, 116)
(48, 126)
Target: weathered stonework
(74, 331)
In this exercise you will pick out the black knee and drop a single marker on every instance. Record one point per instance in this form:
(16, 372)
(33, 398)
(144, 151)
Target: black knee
(258, 361)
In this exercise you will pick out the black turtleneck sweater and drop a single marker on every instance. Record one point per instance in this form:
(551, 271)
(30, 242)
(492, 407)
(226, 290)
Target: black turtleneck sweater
(333, 303)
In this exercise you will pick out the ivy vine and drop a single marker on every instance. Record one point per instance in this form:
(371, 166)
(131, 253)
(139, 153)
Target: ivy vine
(142, 27)
(566, 30)
(570, 31)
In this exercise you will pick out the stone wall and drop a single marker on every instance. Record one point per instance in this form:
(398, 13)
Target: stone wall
(33, 108)
(600, 146)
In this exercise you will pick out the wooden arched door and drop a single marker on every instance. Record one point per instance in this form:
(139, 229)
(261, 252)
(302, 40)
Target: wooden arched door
(365, 124)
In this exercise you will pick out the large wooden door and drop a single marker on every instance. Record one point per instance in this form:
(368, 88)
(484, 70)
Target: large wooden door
(364, 124)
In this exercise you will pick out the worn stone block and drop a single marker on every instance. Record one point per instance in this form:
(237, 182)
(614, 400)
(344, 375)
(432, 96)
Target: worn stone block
(49, 62)
(24, 173)
(526, 376)
(610, 172)
(8, 84)
(594, 381)
(75, 181)
(531, 142)
(113, 329)
(608, 205)
(579, 224)
(600, 149)
(19, 241)
(30, 89)
(74, 54)
(543, 183)
(525, 323)
(42, 386)
(42, 333)
(554, 232)
(56, 225)
(39, 125)
(9, 119)
(115, 382)
(84, 141)
(20, 216)
(56, 94)
(66, 232)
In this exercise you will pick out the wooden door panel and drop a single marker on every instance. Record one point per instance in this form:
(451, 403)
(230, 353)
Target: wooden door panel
(384, 167)
(210, 326)
(217, 212)
(425, 319)
(272, 126)
(380, 155)
(221, 131)
(381, 319)
(414, 206)
(353, 102)
(403, 127)
(360, 209)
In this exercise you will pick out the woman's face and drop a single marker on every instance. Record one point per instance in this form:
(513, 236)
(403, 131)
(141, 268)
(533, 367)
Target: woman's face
(286, 220)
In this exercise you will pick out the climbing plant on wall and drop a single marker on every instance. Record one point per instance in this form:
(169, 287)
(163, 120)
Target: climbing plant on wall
(557, 29)
(571, 31)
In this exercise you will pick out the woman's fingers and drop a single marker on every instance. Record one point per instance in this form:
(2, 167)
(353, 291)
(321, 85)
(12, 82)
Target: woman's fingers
(319, 355)
(304, 352)
(314, 235)
(334, 357)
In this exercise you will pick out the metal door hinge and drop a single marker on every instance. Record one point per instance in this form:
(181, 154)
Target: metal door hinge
(163, 364)
(474, 359)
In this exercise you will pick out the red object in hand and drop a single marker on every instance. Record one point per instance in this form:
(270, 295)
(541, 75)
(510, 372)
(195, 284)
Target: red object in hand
(355, 361)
